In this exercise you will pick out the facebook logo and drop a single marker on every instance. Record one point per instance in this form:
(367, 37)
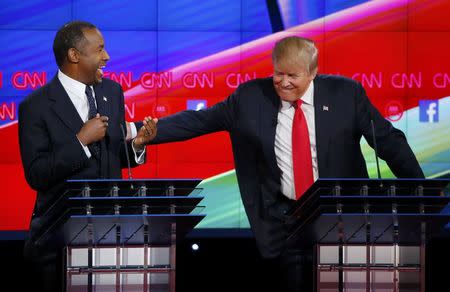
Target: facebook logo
(429, 111)
(196, 104)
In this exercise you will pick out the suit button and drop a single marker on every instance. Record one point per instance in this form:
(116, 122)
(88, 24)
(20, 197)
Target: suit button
(285, 212)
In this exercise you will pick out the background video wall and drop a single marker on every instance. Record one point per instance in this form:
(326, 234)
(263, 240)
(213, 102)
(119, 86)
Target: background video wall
(184, 54)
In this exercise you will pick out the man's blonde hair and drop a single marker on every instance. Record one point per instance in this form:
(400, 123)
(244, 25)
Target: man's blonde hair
(296, 48)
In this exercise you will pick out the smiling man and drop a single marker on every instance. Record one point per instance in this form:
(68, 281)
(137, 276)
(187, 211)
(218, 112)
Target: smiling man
(72, 128)
(286, 131)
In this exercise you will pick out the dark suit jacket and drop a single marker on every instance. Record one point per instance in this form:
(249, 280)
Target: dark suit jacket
(250, 116)
(50, 150)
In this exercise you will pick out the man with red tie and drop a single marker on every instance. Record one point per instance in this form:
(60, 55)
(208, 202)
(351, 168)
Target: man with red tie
(287, 131)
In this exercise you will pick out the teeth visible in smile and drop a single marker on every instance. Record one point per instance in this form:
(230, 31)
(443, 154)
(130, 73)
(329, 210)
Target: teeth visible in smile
(100, 69)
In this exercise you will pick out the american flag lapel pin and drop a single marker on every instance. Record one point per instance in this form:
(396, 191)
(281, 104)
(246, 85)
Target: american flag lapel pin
(325, 108)
(105, 98)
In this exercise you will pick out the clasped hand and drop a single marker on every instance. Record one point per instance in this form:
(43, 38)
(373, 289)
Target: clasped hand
(146, 133)
(93, 130)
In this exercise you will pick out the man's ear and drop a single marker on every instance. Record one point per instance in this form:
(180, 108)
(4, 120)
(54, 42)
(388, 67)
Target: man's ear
(314, 73)
(73, 56)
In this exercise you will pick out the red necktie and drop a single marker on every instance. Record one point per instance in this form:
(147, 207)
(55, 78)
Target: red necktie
(301, 152)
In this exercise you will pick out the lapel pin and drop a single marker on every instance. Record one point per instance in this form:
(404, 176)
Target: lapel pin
(104, 98)
(325, 108)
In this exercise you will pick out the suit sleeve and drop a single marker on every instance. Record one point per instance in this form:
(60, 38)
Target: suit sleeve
(188, 124)
(392, 146)
(43, 165)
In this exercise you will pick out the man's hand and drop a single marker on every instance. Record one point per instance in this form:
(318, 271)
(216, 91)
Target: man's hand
(93, 130)
(146, 133)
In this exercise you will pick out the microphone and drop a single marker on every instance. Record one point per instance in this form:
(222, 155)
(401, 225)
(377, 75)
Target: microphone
(126, 151)
(375, 148)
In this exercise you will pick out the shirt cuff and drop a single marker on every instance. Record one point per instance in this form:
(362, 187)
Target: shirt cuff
(86, 149)
(133, 130)
(139, 155)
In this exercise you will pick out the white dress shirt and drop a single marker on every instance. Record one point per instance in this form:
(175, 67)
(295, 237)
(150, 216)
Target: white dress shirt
(76, 92)
(283, 140)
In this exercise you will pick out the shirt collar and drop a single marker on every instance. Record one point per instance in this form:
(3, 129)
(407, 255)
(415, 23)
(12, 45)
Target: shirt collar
(72, 85)
(307, 98)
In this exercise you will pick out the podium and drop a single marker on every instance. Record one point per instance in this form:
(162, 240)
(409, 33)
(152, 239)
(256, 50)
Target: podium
(121, 235)
(369, 234)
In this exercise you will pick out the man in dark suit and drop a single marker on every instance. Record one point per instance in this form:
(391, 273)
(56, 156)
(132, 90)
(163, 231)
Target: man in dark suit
(286, 131)
(71, 129)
